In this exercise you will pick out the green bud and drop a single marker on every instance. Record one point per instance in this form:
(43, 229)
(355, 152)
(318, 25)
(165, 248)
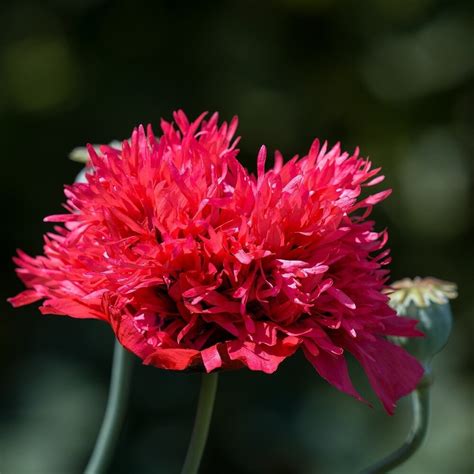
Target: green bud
(81, 155)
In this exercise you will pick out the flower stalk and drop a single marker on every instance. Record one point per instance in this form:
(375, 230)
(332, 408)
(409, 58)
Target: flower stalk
(114, 413)
(205, 407)
(421, 412)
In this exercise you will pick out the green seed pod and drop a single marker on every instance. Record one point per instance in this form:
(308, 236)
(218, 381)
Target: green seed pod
(427, 300)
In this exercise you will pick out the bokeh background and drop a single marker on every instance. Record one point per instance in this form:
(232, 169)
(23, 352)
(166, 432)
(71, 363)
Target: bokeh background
(394, 77)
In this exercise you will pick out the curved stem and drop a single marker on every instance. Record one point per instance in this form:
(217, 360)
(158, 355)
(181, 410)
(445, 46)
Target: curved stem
(114, 413)
(207, 396)
(421, 409)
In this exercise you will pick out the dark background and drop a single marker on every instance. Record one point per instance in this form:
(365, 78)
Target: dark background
(394, 77)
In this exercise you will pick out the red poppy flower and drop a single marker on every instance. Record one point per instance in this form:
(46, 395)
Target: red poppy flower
(196, 263)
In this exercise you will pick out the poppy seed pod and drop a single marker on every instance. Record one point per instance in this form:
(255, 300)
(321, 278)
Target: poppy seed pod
(426, 300)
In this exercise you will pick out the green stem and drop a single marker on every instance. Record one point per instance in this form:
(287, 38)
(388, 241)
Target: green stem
(421, 411)
(114, 413)
(207, 396)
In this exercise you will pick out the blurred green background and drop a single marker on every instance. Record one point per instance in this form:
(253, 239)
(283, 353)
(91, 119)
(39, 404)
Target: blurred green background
(394, 77)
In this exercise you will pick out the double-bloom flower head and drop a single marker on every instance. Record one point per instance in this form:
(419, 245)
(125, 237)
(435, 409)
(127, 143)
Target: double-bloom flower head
(197, 264)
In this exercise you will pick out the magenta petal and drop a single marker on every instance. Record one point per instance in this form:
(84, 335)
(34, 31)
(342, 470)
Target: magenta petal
(334, 370)
(253, 356)
(340, 296)
(373, 199)
(25, 297)
(128, 335)
(392, 371)
(211, 358)
(400, 326)
(70, 307)
(174, 359)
